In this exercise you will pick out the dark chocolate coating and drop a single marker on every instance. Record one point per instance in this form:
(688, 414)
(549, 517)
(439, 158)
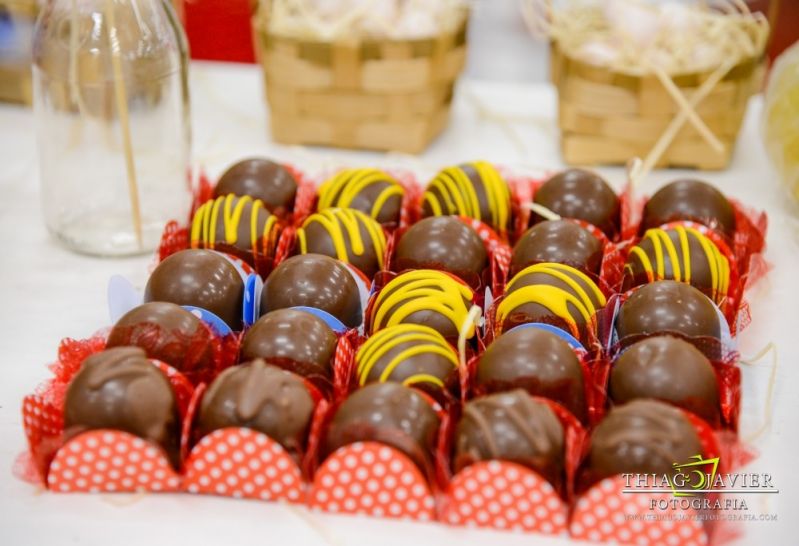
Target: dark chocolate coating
(261, 397)
(444, 243)
(388, 413)
(365, 199)
(537, 361)
(669, 369)
(642, 436)
(511, 426)
(261, 179)
(558, 241)
(584, 195)
(668, 306)
(168, 333)
(200, 278)
(120, 389)
(292, 339)
(244, 233)
(690, 200)
(313, 280)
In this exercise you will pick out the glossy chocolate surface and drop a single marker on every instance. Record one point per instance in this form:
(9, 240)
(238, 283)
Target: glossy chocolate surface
(669, 369)
(313, 280)
(261, 179)
(559, 241)
(200, 278)
(237, 222)
(121, 389)
(363, 190)
(511, 426)
(690, 200)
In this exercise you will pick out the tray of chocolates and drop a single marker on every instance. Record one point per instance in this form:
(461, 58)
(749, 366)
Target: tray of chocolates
(487, 350)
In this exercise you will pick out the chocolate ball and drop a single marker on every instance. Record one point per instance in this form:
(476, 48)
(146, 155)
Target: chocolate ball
(680, 254)
(558, 241)
(445, 243)
(313, 280)
(388, 413)
(424, 296)
(668, 306)
(410, 354)
(261, 179)
(346, 234)
(511, 426)
(168, 333)
(642, 437)
(238, 222)
(537, 361)
(260, 397)
(555, 294)
(296, 340)
(473, 189)
(584, 195)
(692, 200)
(120, 389)
(370, 191)
(199, 278)
(669, 369)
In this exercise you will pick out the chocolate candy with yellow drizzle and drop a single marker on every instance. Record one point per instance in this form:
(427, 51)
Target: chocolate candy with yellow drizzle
(370, 191)
(239, 222)
(427, 297)
(552, 293)
(475, 190)
(411, 354)
(511, 426)
(680, 254)
(346, 234)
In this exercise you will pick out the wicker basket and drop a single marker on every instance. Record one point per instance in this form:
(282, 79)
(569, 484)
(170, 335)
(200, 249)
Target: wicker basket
(384, 95)
(607, 117)
(15, 72)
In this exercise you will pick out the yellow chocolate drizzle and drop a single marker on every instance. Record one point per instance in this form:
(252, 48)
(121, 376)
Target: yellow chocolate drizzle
(336, 221)
(340, 190)
(422, 290)
(203, 225)
(429, 341)
(459, 197)
(680, 259)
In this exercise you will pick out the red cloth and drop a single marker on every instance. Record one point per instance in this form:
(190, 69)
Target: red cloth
(219, 30)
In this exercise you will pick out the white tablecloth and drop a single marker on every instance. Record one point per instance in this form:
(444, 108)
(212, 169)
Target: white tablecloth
(47, 293)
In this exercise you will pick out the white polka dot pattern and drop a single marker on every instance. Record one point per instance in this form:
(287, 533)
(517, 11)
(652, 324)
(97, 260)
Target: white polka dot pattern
(110, 461)
(606, 514)
(503, 495)
(243, 463)
(43, 424)
(373, 479)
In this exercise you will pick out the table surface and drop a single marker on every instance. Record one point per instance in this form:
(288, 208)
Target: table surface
(48, 293)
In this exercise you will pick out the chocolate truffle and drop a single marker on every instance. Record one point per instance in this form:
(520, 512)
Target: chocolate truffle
(445, 243)
(669, 369)
(555, 294)
(424, 296)
(388, 413)
(168, 333)
(537, 361)
(370, 191)
(238, 222)
(668, 306)
(346, 234)
(120, 389)
(313, 280)
(199, 278)
(692, 200)
(260, 179)
(679, 254)
(260, 397)
(642, 437)
(511, 426)
(558, 241)
(473, 189)
(296, 340)
(581, 194)
(410, 354)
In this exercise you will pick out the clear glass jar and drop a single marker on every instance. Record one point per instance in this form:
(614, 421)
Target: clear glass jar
(110, 89)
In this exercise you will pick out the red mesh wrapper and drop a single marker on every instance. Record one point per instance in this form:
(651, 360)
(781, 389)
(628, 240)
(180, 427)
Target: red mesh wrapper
(521, 191)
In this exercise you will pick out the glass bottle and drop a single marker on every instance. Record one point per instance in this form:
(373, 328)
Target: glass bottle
(110, 86)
